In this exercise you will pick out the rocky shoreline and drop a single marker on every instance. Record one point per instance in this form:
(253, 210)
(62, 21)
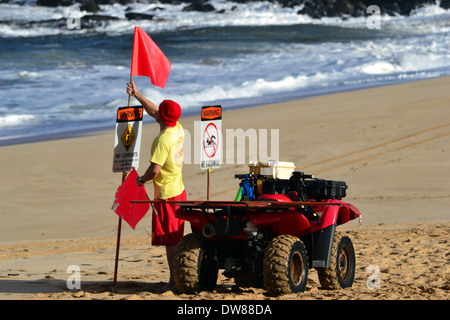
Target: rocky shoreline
(315, 9)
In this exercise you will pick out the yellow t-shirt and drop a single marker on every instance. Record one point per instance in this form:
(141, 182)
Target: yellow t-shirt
(167, 151)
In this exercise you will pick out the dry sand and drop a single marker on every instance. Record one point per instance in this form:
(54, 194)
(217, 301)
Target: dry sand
(390, 144)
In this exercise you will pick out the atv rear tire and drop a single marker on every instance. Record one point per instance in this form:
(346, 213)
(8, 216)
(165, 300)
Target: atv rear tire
(285, 265)
(341, 272)
(195, 266)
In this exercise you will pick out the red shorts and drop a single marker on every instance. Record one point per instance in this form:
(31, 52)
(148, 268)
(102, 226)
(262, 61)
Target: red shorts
(167, 230)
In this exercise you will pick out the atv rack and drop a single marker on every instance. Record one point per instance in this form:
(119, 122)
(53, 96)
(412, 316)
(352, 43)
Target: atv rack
(249, 204)
(273, 206)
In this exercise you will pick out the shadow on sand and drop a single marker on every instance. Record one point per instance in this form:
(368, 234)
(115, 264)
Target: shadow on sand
(49, 286)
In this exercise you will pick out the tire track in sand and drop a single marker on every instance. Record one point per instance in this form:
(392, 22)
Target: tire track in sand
(402, 143)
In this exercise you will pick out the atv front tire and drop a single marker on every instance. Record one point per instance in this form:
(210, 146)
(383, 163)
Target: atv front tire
(195, 266)
(285, 265)
(341, 271)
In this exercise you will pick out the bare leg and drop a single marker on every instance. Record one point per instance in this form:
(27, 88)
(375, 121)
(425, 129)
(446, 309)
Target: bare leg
(170, 252)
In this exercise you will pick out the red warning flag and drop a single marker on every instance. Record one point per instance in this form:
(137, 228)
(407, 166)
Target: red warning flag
(132, 213)
(148, 60)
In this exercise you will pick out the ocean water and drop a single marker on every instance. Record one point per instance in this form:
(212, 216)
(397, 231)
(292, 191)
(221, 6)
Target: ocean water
(56, 81)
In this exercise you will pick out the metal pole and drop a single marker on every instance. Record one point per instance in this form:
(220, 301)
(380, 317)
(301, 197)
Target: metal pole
(119, 231)
(119, 227)
(208, 184)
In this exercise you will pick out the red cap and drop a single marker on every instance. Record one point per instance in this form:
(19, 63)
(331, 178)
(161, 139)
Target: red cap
(169, 112)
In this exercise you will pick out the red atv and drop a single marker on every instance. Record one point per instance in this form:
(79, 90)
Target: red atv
(269, 236)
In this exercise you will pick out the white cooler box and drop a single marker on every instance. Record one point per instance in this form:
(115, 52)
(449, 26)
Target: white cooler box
(272, 169)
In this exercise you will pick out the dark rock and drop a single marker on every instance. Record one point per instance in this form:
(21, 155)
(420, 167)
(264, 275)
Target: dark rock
(94, 20)
(403, 7)
(290, 3)
(331, 11)
(138, 16)
(345, 7)
(158, 9)
(200, 6)
(360, 10)
(125, 2)
(445, 4)
(172, 1)
(98, 17)
(392, 9)
(90, 7)
(54, 3)
(48, 3)
(309, 9)
(244, 1)
(50, 23)
(105, 1)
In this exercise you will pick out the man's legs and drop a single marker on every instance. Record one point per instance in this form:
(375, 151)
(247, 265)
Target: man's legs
(167, 230)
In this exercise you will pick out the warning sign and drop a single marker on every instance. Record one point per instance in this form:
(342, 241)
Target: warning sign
(210, 140)
(211, 144)
(212, 113)
(127, 139)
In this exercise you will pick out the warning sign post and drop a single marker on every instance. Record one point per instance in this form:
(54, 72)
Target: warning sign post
(127, 142)
(211, 134)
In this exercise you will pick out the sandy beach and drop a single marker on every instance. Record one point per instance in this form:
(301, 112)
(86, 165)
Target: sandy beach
(390, 144)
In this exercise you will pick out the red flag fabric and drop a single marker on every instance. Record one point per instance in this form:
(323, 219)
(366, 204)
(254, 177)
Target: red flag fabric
(132, 213)
(148, 60)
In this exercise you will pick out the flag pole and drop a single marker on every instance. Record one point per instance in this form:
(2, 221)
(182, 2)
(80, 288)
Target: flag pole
(129, 96)
(119, 226)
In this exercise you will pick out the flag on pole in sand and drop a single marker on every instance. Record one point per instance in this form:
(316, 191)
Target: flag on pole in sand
(132, 213)
(148, 60)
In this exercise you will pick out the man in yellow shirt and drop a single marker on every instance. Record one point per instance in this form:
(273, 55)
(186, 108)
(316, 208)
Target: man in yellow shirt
(165, 170)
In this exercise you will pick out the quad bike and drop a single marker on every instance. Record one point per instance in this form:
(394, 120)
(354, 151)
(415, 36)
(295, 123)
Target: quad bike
(269, 237)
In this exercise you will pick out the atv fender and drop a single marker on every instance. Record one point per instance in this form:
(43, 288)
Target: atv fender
(337, 214)
(320, 243)
(321, 239)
